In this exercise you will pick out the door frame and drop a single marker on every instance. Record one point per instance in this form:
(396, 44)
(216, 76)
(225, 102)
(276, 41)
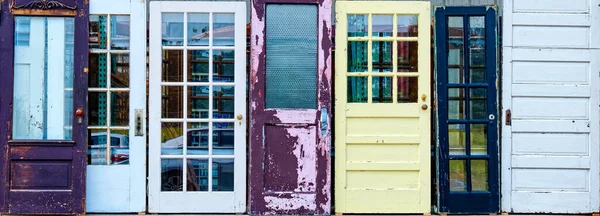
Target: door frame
(235, 203)
(65, 202)
(446, 202)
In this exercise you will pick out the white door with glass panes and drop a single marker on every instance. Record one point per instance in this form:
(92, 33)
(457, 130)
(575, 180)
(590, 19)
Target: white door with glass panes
(116, 171)
(197, 107)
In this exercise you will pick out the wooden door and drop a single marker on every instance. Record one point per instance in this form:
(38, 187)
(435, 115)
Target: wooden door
(290, 98)
(550, 85)
(43, 52)
(382, 107)
(467, 110)
(197, 107)
(116, 171)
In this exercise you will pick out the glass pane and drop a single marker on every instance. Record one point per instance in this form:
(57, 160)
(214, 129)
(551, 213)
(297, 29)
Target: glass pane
(479, 175)
(197, 143)
(97, 27)
(222, 174)
(223, 138)
(408, 56)
(223, 65)
(171, 175)
(478, 139)
(119, 32)
(171, 138)
(119, 147)
(172, 66)
(457, 139)
(382, 89)
(455, 49)
(198, 179)
(477, 75)
(382, 56)
(172, 29)
(23, 31)
(458, 175)
(224, 29)
(291, 62)
(97, 72)
(43, 80)
(478, 103)
(408, 89)
(358, 89)
(408, 26)
(358, 56)
(119, 70)
(223, 102)
(198, 29)
(456, 103)
(358, 25)
(198, 61)
(119, 108)
(172, 102)
(477, 41)
(97, 147)
(382, 25)
(197, 102)
(97, 108)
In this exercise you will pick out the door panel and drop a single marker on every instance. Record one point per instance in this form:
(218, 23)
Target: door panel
(197, 85)
(382, 107)
(290, 96)
(44, 100)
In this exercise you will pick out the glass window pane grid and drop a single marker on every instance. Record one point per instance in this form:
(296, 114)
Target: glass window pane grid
(395, 74)
(108, 90)
(210, 120)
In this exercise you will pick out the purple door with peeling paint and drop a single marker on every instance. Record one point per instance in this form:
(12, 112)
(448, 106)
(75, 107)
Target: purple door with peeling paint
(290, 98)
(43, 65)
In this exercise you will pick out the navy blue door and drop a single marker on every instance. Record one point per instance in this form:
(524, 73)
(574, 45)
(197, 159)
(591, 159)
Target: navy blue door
(467, 113)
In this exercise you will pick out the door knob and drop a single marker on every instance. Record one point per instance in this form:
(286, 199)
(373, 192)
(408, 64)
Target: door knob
(424, 107)
(79, 114)
(239, 117)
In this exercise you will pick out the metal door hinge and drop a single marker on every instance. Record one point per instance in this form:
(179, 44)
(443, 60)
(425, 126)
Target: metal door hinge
(508, 117)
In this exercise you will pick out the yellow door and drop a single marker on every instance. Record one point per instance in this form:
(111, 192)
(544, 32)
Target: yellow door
(382, 107)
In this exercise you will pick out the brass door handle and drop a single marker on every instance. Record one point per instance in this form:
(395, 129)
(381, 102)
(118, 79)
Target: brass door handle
(239, 117)
(424, 107)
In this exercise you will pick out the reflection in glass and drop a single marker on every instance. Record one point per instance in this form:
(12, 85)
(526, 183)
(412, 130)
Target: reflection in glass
(408, 56)
(479, 175)
(223, 65)
(171, 138)
(477, 41)
(455, 49)
(358, 25)
(408, 26)
(455, 75)
(357, 56)
(119, 147)
(222, 174)
(97, 147)
(172, 66)
(223, 102)
(408, 89)
(119, 32)
(197, 102)
(382, 25)
(119, 108)
(172, 29)
(358, 89)
(197, 140)
(477, 75)
(382, 56)
(97, 108)
(43, 87)
(172, 102)
(478, 103)
(97, 70)
(23, 31)
(97, 27)
(223, 138)
(456, 103)
(198, 179)
(198, 61)
(198, 29)
(171, 175)
(479, 140)
(119, 70)
(382, 89)
(224, 29)
(457, 139)
(458, 176)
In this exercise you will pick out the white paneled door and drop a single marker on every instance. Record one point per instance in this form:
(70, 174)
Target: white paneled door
(197, 107)
(116, 171)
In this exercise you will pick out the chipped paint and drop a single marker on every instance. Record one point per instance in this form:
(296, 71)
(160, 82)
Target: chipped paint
(290, 203)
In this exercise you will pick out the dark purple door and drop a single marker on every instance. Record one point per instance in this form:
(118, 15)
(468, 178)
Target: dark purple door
(290, 100)
(43, 65)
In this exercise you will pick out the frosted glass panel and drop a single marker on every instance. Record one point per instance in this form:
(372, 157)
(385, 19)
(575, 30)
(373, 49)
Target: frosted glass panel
(43, 79)
(291, 62)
